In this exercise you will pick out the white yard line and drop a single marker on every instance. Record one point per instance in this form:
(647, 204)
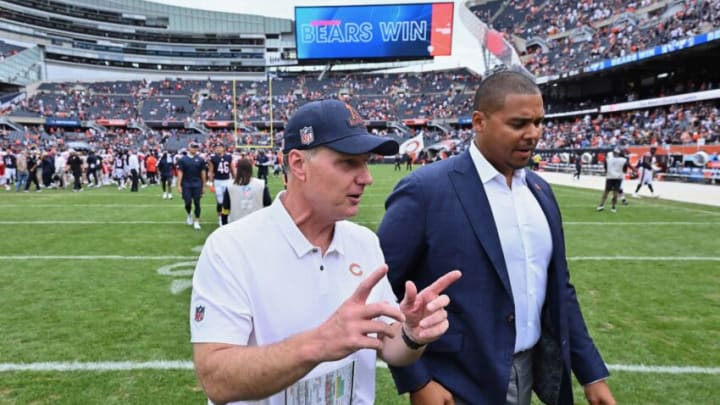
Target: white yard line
(187, 365)
(674, 207)
(647, 258)
(570, 258)
(85, 205)
(641, 368)
(98, 366)
(640, 223)
(92, 222)
(608, 223)
(107, 257)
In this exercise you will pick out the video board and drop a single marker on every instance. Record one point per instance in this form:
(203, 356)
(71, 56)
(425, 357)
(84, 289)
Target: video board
(402, 31)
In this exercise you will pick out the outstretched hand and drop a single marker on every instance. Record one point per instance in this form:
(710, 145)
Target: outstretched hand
(425, 315)
(354, 325)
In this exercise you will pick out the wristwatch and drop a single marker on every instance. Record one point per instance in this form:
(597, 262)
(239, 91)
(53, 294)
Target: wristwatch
(409, 342)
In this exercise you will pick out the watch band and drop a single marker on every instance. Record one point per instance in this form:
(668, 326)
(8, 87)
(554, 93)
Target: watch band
(409, 342)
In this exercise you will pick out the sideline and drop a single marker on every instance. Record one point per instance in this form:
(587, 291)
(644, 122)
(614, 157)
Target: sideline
(187, 365)
(570, 258)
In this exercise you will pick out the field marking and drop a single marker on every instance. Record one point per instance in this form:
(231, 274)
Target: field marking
(107, 257)
(88, 205)
(651, 204)
(677, 208)
(570, 258)
(606, 223)
(124, 206)
(91, 222)
(94, 222)
(188, 365)
(648, 258)
(98, 366)
(640, 223)
(641, 368)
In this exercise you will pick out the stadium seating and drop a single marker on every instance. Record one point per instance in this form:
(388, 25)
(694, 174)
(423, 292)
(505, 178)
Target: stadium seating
(378, 97)
(617, 28)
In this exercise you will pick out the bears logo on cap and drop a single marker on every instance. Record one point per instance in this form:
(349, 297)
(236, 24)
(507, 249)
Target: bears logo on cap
(355, 118)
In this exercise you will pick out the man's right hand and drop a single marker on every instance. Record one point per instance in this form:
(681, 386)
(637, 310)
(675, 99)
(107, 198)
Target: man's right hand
(432, 394)
(179, 187)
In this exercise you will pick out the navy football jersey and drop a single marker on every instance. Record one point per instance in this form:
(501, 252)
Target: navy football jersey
(222, 165)
(192, 168)
(10, 161)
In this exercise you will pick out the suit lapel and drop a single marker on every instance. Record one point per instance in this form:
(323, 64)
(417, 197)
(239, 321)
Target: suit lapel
(471, 193)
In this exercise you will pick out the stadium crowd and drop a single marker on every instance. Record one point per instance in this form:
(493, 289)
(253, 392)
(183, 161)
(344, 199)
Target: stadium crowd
(697, 122)
(676, 124)
(615, 28)
(441, 94)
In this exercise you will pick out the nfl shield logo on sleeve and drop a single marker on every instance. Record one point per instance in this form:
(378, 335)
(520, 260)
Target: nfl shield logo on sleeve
(306, 135)
(199, 313)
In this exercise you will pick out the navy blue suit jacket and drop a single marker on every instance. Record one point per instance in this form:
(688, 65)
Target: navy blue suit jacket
(438, 219)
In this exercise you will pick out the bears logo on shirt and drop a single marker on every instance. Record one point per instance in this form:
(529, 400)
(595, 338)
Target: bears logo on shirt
(355, 269)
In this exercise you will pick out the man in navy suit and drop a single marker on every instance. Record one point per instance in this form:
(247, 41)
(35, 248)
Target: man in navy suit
(515, 322)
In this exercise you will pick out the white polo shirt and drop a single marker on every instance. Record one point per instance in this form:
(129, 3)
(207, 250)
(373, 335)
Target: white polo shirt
(259, 280)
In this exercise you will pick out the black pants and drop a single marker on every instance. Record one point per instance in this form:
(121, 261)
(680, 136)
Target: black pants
(77, 180)
(134, 175)
(166, 183)
(191, 195)
(93, 173)
(47, 178)
(32, 178)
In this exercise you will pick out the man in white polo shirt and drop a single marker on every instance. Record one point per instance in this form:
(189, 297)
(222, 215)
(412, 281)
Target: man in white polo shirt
(291, 303)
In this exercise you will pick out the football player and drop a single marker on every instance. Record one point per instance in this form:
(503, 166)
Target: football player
(219, 175)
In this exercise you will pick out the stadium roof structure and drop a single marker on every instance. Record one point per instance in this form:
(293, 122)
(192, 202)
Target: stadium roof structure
(141, 37)
(186, 19)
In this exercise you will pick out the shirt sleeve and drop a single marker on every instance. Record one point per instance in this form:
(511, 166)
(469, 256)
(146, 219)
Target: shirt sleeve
(220, 306)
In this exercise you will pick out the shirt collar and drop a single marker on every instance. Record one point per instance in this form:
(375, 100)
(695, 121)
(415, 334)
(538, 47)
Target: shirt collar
(295, 237)
(487, 171)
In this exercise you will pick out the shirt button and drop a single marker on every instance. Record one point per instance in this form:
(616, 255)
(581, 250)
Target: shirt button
(322, 267)
(510, 318)
(315, 250)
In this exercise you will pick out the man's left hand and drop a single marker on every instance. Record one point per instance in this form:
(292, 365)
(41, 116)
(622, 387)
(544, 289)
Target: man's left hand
(598, 393)
(425, 315)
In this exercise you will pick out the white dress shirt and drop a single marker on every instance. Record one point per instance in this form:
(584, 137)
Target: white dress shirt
(526, 244)
(133, 162)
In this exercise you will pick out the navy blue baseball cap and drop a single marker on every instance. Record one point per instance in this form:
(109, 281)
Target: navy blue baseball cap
(336, 125)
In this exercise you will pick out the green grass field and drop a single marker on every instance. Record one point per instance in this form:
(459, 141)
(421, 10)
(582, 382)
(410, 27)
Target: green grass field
(101, 277)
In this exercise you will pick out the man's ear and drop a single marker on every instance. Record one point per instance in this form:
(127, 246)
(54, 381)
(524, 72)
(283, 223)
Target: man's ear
(296, 164)
(479, 119)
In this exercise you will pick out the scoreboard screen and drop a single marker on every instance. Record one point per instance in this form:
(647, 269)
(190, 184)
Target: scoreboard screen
(374, 31)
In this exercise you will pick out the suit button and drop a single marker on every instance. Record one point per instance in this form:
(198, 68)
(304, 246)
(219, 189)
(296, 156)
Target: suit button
(510, 318)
